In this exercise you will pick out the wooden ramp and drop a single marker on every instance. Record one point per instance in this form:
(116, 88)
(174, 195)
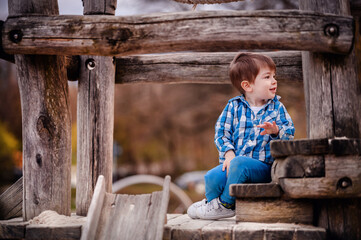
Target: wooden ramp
(114, 216)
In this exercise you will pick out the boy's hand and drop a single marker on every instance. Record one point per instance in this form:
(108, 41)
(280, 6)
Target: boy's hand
(269, 128)
(229, 156)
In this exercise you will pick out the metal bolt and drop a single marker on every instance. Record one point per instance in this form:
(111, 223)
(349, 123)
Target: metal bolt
(90, 64)
(331, 30)
(344, 183)
(15, 36)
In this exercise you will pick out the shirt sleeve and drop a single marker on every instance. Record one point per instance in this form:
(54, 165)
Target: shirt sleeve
(285, 125)
(224, 131)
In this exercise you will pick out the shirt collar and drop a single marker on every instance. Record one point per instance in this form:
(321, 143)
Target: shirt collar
(270, 102)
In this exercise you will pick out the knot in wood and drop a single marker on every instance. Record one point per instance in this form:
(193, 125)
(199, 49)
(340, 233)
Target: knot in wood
(331, 30)
(45, 128)
(39, 160)
(15, 36)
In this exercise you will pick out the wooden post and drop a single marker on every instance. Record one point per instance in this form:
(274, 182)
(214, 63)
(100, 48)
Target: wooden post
(46, 123)
(95, 118)
(331, 88)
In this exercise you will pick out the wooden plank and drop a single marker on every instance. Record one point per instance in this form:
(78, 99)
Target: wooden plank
(298, 166)
(13, 229)
(197, 67)
(346, 146)
(262, 231)
(344, 166)
(93, 217)
(174, 222)
(169, 32)
(281, 148)
(46, 123)
(189, 230)
(95, 119)
(161, 219)
(53, 232)
(95, 123)
(220, 229)
(11, 201)
(256, 190)
(320, 187)
(274, 210)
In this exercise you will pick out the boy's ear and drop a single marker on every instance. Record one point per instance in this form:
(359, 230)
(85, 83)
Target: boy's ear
(246, 86)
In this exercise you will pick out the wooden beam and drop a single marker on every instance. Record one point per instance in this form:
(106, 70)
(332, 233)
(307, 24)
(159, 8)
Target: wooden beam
(185, 31)
(46, 123)
(197, 67)
(95, 122)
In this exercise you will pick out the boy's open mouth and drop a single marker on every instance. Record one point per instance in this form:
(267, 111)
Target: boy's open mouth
(273, 89)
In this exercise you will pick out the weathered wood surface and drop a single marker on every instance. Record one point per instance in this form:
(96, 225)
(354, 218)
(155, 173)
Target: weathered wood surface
(13, 228)
(338, 109)
(298, 166)
(183, 227)
(199, 31)
(270, 210)
(95, 121)
(46, 123)
(11, 201)
(317, 146)
(256, 190)
(342, 176)
(197, 67)
(129, 216)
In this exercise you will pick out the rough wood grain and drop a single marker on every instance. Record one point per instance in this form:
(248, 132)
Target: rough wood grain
(46, 123)
(11, 201)
(170, 32)
(219, 230)
(337, 111)
(274, 210)
(281, 148)
(129, 216)
(197, 67)
(268, 231)
(71, 232)
(95, 127)
(298, 166)
(95, 119)
(320, 187)
(106, 7)
(89, 230)
(256, 190)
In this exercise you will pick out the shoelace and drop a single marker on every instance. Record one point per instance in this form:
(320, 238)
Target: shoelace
(212, 205)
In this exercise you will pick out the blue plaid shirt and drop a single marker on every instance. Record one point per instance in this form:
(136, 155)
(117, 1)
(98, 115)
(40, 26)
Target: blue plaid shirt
(236, 128)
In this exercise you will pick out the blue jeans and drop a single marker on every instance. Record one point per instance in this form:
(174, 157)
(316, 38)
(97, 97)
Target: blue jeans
(241, 170)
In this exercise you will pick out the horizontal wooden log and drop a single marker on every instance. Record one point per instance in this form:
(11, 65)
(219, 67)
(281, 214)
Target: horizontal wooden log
(185, 31)
(256, 190)
(320, 187)
(336, 146)
(11, 201)
(197, 67)
(298, 166)
(274, 210)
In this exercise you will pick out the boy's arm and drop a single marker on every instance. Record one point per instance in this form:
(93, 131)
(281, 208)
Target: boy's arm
(224, 131)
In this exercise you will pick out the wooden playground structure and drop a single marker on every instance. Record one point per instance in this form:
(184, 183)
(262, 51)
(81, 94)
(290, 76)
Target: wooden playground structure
(316, 182)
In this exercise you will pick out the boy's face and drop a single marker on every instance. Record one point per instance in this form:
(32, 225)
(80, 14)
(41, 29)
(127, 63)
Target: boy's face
(265, 85)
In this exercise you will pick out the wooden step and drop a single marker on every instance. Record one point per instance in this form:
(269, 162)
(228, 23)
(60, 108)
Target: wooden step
(183, 227)
(265, 203)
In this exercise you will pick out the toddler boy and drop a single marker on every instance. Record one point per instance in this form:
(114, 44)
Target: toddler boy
(243, 133)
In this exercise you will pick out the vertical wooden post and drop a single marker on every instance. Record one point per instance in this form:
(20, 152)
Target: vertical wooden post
(95, 117)
(331, 93)
(331, 85)
(46, 123)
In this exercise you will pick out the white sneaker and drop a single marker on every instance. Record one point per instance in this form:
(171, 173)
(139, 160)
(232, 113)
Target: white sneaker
(192, 210)
(214, 210)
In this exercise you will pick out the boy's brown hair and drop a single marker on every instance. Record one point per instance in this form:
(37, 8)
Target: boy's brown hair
(246, 66)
